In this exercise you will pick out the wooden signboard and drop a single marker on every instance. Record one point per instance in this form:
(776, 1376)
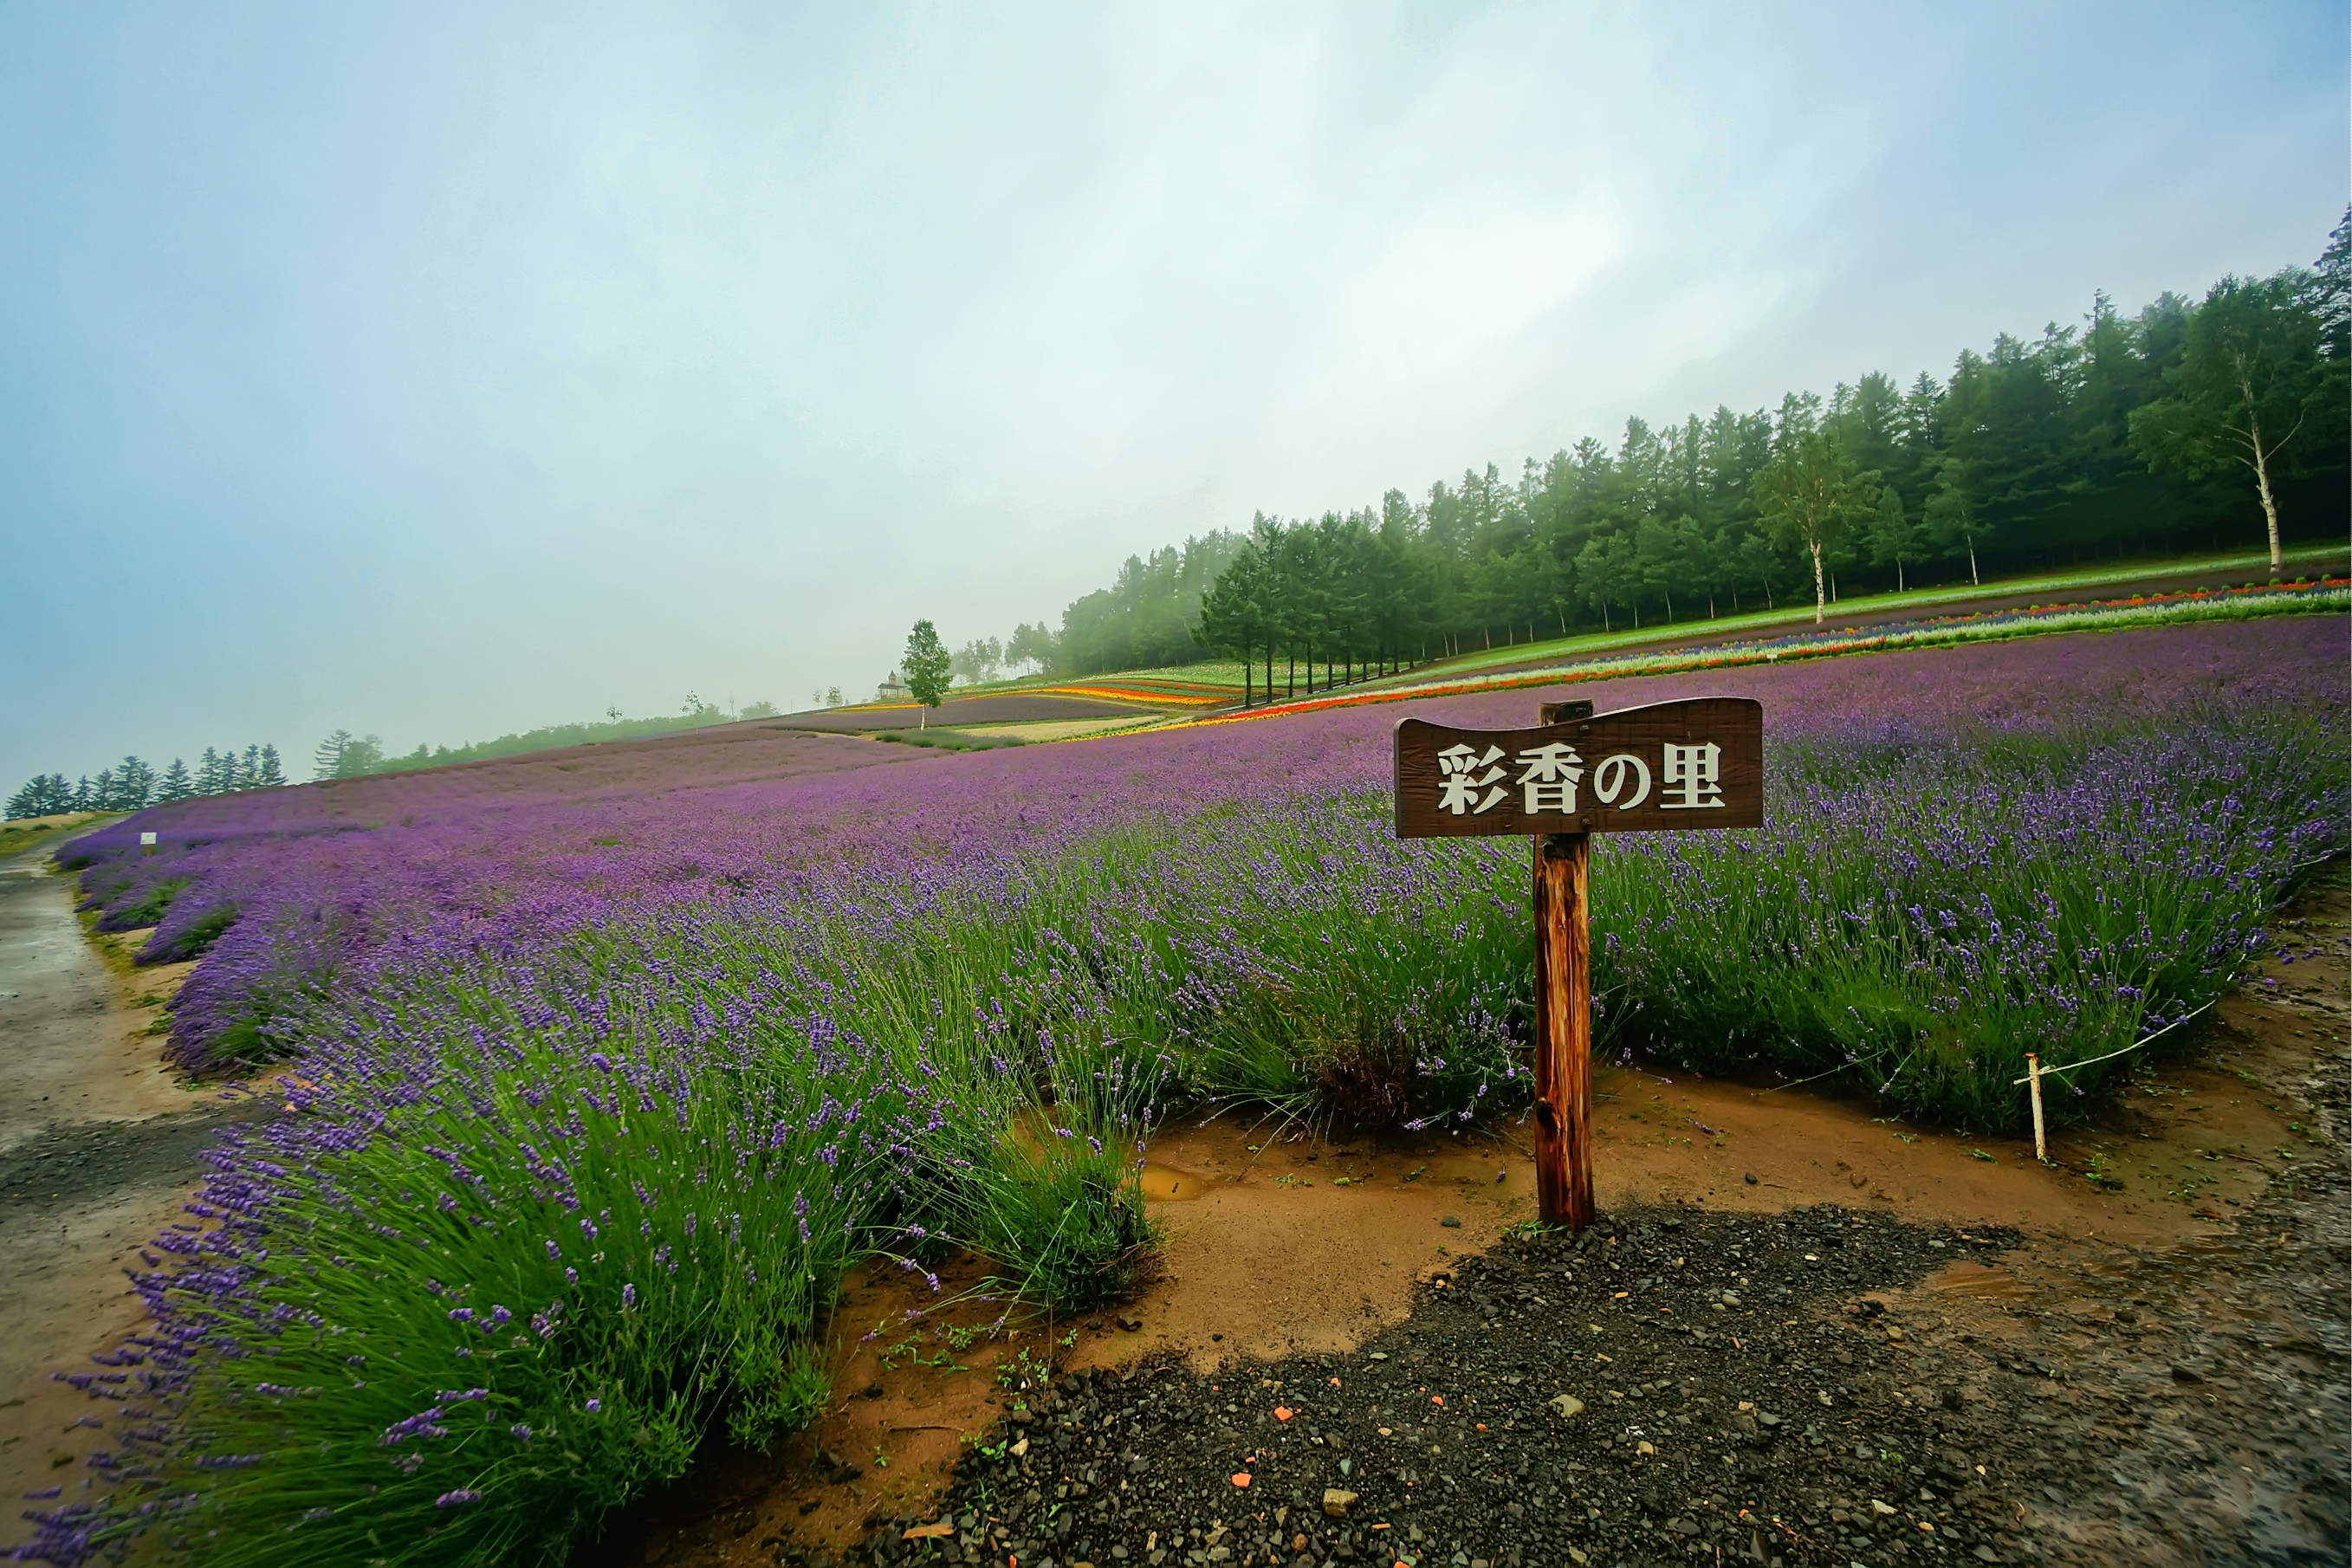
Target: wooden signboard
(1668, 767)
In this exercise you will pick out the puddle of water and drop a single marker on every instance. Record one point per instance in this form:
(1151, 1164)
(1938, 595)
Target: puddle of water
(1165, 1184)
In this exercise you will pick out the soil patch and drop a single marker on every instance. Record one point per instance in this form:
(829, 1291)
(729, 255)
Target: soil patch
(99, 1147)
(1064, 728)
(2137, 1352)
(72, 1046)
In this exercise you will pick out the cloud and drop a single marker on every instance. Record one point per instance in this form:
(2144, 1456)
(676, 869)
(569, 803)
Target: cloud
(480, 367)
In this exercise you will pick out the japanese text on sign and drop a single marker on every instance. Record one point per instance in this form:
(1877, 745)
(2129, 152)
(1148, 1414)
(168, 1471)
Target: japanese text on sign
(1638, 768)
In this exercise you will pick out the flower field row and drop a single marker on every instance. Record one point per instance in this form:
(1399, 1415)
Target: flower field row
(2331, 596)
(595, 1097)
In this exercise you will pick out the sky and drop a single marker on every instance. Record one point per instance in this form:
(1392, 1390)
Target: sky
(437, 370)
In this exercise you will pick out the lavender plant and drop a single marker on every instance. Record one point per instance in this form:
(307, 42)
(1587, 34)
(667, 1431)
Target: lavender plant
(594, 1096)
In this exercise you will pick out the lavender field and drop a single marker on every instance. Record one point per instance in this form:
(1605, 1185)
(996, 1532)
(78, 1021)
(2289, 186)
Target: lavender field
(593, 1091)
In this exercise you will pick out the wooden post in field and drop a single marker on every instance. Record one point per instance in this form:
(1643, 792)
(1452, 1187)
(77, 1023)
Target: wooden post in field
(1672, 766)
(1563, 1042)
(1563, 1030)
(2033, 1089)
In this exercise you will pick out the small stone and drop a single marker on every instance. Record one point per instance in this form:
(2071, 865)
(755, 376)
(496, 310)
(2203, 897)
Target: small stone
(1566, 1406)
(1452, 1222)
(1750, 1178)
(1880, 1509)
(1730, 1300)
(1645, 1449)
(2182, 1375)
(1683, 1526)
(1336, 1501)
(1130, 1323)
(1823, 1395)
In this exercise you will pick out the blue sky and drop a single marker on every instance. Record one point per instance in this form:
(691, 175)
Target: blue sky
(441, 371)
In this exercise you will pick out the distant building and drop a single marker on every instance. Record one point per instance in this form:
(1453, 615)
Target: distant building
(892, 689)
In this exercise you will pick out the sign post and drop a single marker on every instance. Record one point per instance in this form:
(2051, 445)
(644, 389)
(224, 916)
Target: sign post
(1698, 764)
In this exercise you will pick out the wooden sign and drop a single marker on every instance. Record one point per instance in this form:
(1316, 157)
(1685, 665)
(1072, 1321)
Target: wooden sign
(1668, 767)
(1698, 764)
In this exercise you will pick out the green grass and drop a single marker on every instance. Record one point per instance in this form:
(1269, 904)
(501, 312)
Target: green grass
(1799, 616)
(949, 740)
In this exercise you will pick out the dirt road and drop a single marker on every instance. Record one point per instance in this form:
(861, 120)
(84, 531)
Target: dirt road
(99, 1148)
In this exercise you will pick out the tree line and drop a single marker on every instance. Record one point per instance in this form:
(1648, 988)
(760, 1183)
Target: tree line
(2188, 425)
(133, 784)
(343, 755)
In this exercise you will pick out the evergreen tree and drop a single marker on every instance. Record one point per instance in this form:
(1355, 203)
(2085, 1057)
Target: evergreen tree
(2030, 452)
(327, 757)
(271, 772)
(175, 784)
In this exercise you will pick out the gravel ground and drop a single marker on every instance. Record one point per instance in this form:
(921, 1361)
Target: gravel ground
(1676, 1386)
(63, 1167)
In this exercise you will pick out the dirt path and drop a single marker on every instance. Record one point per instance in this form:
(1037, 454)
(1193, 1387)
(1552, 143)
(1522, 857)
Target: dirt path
(2143, 1345)
(99, 1147)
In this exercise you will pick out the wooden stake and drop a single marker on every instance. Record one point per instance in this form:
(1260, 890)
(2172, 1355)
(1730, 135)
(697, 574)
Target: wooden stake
(1563, 1030)
(2034, 1088)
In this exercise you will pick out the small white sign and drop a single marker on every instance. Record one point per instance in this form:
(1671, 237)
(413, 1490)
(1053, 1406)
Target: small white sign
(146, 839)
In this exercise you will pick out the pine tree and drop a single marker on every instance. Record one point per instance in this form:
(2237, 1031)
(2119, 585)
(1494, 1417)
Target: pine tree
(327, 757)
(271, 774)
(175, 784)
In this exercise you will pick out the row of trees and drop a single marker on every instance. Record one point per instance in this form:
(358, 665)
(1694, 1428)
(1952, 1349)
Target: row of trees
(2183, 426)
(133, 784)
(1147, 619)
(343, 755)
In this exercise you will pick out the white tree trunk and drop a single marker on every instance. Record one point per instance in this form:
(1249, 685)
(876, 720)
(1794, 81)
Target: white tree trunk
(1821, 593)
(2269, 506)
